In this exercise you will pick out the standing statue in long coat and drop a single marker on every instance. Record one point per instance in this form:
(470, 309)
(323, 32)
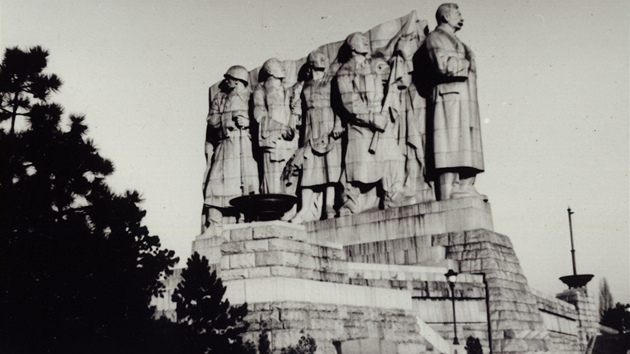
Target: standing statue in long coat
(457, 150)
(372, 146)
(232, 169)
(321, 139)
(277, 126)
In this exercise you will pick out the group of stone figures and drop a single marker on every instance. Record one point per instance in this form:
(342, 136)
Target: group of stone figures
(367, 132)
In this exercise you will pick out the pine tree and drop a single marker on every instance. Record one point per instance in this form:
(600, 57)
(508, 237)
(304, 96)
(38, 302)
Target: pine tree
(22, 81)
(77, 267)
(216, 326)
(605, 298)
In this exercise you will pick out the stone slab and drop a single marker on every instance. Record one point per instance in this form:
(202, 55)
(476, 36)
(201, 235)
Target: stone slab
(278, 289)
(209, 247)
(368, 346)
(421, 219)
(441, 311)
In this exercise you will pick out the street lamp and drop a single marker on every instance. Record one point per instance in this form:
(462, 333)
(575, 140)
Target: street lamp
(575, 280)
(487, 298)
(451, 278)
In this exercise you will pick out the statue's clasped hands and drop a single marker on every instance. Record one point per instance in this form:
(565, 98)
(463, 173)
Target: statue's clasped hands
(288, 133)
(241, 121)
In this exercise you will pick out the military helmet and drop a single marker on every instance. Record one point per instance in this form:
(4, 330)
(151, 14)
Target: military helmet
(273, 67)
(239, 73)
(317, 60)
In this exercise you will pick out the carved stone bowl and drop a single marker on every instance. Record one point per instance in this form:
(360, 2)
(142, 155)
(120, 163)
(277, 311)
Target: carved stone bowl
(263, 207)
(576, 281)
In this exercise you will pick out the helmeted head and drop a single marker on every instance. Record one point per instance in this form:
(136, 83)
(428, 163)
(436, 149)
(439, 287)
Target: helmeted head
(358, 43)
(449, 13)
(273, 67)
(317, 60)
(237, 72)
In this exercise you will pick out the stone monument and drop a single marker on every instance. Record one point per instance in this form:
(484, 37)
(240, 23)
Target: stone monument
(276, 125)
(456, 135)
(321, 138)
(379, 137)
(231, 168)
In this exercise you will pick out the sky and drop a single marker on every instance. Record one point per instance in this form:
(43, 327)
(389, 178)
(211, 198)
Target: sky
(553, 82)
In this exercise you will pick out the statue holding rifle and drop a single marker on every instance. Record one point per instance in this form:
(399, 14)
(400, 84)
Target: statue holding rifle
(372, 151)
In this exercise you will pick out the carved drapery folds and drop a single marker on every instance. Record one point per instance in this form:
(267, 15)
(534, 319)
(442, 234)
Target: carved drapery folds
(346, 129)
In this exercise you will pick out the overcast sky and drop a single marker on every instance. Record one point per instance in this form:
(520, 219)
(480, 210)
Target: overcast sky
(553, 91)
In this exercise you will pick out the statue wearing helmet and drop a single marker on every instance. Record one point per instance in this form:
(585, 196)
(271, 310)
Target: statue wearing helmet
(276, 133)
(372, 150)
(239, 73)
(232, 170)
(320, 140)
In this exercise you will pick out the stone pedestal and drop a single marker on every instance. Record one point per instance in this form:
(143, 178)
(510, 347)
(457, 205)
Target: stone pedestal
(295, 286)
(378, 277)
(586, 312)
(561, 320)
(421, 219)
(516, 321)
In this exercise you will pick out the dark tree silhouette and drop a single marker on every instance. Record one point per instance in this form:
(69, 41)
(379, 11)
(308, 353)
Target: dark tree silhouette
(617, 317)
(264, 345)
(77, 267)
(23, 81)
(216, 326)
(605, 298)
(473, 346)
(306, 345)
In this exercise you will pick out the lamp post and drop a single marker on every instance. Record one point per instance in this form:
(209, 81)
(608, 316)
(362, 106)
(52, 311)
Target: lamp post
(575, 280)
(572, 248)
(451, 278)
(487, 298)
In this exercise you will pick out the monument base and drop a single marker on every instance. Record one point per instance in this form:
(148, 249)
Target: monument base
(431, 218)
(378, 278)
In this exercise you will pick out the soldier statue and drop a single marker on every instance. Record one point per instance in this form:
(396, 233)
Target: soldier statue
(232, 170)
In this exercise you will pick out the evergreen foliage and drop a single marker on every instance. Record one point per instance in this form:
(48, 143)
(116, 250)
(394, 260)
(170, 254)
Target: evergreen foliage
(77, 267)
(22, 81)
(605, 298)
(617, 318)
(215, 325)
(473, 346)
(306, 345)
(264, 345)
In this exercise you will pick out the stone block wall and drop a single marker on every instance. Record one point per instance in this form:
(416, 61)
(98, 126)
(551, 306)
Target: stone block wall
(332, 323)
(391, 264)
(294, 287)
(283, 258)
(415, 250)
(516, 321)
(587, 315)
(561, 320)
(412, 220)
(464, 330)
